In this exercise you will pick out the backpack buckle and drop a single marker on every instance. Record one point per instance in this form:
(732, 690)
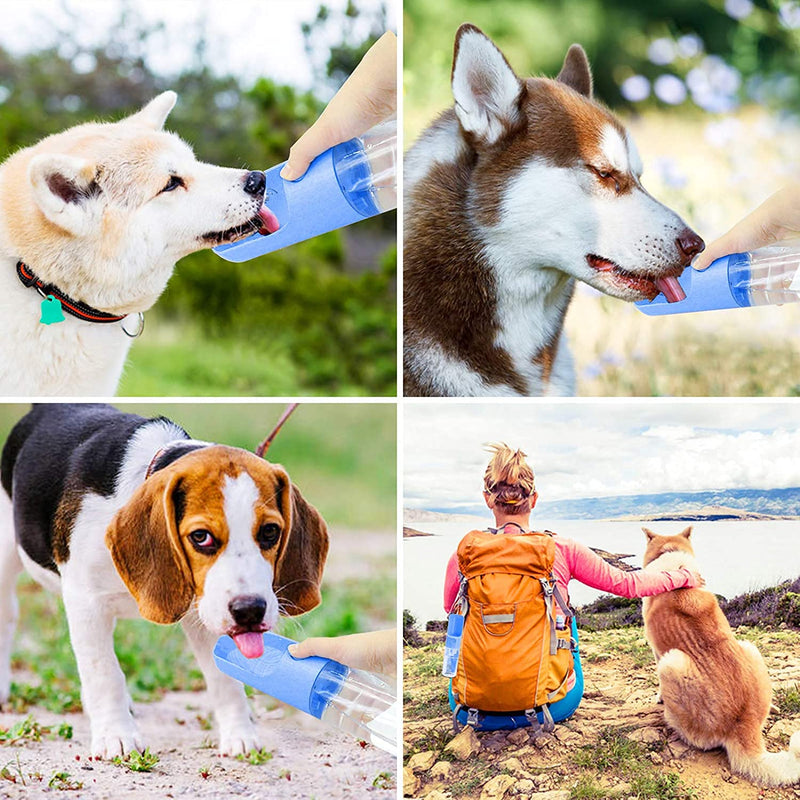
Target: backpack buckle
(472, 717)
(533, 720)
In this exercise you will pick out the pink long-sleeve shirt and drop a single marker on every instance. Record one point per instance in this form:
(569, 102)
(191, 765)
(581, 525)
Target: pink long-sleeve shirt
(575, 560)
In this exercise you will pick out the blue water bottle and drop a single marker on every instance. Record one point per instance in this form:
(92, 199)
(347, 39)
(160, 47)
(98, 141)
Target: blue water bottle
(357, 702)
(763, 277)
(350, 182)
(452, 644)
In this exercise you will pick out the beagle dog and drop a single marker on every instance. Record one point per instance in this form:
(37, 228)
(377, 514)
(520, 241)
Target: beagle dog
(129, 516)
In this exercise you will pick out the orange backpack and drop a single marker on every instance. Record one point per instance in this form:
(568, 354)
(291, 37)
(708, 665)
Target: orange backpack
(516, 651)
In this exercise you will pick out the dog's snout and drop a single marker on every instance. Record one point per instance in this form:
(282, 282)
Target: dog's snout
(248, 610)
(255, 183)
(689, 245)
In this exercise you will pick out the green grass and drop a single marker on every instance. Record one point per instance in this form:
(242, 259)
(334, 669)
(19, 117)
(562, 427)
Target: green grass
(787, 698)
(256, 757)
(383, 780)
(173, 360)
(342, 455)
(63, 782)
(613, 753)
(30, 730)
(137, 761)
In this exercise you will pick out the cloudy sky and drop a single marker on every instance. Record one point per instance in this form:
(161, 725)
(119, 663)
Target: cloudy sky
(596, 449)
(247, 38)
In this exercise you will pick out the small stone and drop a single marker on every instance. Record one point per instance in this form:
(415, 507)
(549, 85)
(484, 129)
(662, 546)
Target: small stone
(465, 745)
(656, 758)
(783, 728)
(556, 794)
(410, 783)
(543, 741)
(518, 736)
(525, 786)
(514, 766)
(441, 770)
(496, 788)
(678, 748)
(435, 794)
(422, 762)
(648, 735)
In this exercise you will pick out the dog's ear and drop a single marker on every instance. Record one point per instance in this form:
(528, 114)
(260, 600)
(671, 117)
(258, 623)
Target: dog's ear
(576, 72)
(299, 568)
(147, 552)
(63, 187)
(486, 90)
(649, 534)
(155, 113)
(687, 534)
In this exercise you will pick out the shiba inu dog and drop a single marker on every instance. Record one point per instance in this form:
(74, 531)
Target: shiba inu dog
(715, 689)
(96, 217)
(523, 187)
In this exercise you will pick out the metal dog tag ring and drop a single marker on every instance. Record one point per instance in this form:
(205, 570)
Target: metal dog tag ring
(139, 329)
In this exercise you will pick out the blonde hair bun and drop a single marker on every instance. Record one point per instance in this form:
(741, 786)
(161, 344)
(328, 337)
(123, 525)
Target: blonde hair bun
(508, 477)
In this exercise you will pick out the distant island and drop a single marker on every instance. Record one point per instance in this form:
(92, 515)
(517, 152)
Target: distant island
(410, 533)
(708, 505)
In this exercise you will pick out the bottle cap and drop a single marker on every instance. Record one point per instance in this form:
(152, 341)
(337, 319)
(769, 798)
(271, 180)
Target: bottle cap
(310, 206)
(708, 290)
(280, 675)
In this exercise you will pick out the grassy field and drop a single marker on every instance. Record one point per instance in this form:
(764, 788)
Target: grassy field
(343, 456)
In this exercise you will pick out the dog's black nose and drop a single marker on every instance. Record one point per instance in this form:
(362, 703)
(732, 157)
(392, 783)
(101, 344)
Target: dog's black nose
(689, 245)
(255, 183)
(248, 610)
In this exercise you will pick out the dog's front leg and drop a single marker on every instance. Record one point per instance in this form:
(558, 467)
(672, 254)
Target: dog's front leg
(237, 734)
(103, 690)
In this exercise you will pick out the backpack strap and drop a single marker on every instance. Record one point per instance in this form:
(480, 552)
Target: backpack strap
(549, 589)
(548, 726)
(533, 720)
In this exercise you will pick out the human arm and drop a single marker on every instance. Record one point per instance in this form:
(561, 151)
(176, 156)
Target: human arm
(776, 219)
(375, 651)
(587, 567)
(366, 98)
(451, 583)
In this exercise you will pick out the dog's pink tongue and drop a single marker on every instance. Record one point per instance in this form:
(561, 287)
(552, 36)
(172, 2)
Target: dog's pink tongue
(270, 221)
(251, 645)
(671, 289)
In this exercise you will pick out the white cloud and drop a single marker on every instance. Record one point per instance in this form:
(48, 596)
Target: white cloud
(598, 448)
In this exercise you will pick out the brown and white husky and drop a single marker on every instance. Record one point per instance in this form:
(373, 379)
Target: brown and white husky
(522, 187)
(715, 689)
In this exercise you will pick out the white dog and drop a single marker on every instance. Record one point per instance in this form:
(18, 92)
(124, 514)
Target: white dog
(96, 217)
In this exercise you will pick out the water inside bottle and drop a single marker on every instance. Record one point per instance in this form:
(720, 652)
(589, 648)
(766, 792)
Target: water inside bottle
(356, 707)
(771, 275)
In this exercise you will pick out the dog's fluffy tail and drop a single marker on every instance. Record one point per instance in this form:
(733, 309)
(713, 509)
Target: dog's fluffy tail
(767, 769)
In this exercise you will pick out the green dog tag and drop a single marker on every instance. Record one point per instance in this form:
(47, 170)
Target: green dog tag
(51, 311)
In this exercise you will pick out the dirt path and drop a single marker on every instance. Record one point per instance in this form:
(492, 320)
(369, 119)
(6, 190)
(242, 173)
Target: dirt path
(618, 708)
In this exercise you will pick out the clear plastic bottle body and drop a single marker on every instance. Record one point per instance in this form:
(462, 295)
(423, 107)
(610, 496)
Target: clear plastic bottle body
(359, 703)
(366, 169)
(452, 644)
(767, 276)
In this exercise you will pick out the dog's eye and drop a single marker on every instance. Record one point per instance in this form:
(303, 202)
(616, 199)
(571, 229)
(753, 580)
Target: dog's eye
(203, 541)
(173, 183)
(268, 535)
(606, 175)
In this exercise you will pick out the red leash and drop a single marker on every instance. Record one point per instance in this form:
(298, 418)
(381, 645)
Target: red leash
(264, 446)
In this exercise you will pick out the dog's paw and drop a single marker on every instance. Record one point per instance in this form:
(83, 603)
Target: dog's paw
(118, 742)
(238, 741)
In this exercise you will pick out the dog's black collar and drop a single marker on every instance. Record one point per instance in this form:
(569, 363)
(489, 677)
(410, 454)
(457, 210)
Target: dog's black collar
(74, 307)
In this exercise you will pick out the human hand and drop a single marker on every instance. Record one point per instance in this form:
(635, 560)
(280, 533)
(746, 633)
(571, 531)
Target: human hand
(776, 219)
(375, 651)
(366, 98)
(696, 580)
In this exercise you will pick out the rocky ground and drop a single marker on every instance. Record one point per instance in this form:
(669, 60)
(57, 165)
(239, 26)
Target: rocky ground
(615, 746)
